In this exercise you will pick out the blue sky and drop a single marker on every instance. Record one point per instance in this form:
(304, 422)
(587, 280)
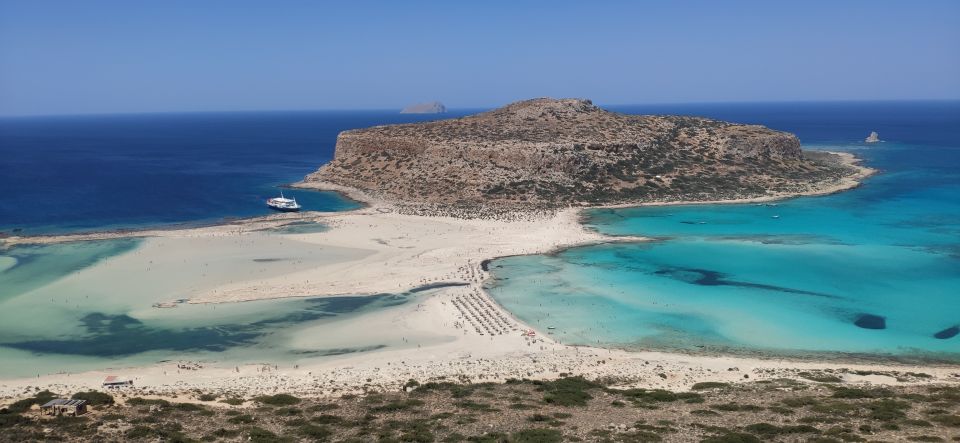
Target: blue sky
(95, 56)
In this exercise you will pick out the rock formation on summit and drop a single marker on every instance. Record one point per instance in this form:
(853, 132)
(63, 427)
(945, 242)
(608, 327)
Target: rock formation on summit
(547, 153)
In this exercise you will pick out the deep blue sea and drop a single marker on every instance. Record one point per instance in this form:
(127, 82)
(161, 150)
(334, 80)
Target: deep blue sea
(872, 272)
(76, 173)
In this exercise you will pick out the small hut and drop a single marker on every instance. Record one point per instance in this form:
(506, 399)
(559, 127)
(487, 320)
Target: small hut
(63, 406)
(112, 381)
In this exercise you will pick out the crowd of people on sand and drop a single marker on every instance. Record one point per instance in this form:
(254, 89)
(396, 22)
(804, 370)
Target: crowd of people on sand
(500, 212)
(478, 311)
(190, 366)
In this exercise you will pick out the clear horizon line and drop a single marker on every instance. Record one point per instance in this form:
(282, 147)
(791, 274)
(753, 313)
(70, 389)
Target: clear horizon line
(477, 108)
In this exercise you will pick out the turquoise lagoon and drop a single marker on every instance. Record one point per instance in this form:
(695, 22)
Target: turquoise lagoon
(873, 272)
(61, 310)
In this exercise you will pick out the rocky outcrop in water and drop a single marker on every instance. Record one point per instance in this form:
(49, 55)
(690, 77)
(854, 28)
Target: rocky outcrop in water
(550, 153)
(873, 137)
(425, 108)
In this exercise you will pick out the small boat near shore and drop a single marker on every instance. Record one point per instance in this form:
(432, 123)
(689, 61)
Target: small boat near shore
(283, 204)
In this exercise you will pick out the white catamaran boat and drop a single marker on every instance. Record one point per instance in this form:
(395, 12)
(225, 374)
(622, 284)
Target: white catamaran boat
(284, 204)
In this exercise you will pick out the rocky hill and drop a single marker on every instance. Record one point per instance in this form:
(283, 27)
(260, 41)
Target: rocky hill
(545, 153)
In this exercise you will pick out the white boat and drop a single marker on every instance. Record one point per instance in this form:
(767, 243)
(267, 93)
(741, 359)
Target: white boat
(284, 204)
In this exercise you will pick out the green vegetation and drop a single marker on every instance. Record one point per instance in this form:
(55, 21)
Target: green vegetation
(260, 435)
(567, 409)
(24, 405)
(94, 398)
(848, 392)
(138, 401)
(732, 437)
(767, 430)
(536, 436)
(397, 405)
(241, 419)
(821, 377)
(702, 386)
(164, 431)
(660, 396)
(735, 407)
(570, 391)
(278, 400)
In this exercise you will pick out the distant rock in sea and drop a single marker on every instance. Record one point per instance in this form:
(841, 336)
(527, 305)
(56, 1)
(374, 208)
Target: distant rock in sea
(425, 108)
(873, 138)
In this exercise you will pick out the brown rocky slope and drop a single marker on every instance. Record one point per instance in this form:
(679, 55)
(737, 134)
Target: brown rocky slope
(546, 153)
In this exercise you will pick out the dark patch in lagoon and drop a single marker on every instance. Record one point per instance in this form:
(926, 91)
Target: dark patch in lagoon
(299, 227)
(435, 286)
(609, 212)
(870, 321)
(706, 277)
(340, 351)
(948, 333)
(121, 335)
(782, 239)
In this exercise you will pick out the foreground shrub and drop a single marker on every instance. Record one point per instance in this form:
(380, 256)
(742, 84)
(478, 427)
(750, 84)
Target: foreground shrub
(732, 437)
(704, 385)
(138, 401)
(570, 391)
(769, 430)
(94, 398)
(536, 436)
(25, 404)
(278, 400)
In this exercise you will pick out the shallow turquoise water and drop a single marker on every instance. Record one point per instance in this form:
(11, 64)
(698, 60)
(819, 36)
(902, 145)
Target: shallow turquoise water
(59, 311)
(732, 295)
(872, 272)
(32, 266)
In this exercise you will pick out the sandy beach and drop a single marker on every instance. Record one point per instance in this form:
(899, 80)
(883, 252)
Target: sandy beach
(455, 332)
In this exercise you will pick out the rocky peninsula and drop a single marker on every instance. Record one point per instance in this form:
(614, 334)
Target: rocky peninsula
(550, 153)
